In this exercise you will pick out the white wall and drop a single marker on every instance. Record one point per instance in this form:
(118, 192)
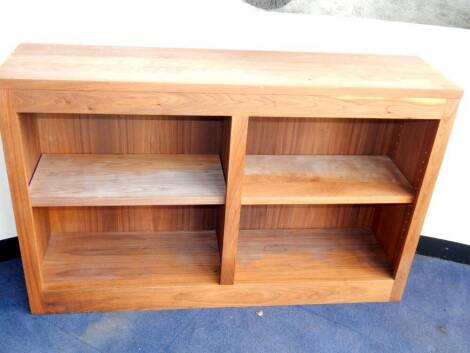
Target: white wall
(234, 24)
(7, 221)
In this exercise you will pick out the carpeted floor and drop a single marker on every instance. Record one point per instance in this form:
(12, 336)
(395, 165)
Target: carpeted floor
(434, 316)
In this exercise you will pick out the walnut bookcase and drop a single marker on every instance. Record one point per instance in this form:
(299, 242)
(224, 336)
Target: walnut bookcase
(168, 178)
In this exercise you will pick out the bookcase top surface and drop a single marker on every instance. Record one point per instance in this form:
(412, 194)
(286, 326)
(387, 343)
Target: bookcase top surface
(45, 66)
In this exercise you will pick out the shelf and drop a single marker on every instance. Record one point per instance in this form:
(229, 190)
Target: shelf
(105, 260)
(322, 179)
(119, 271)
(305, 255)
(126, 180)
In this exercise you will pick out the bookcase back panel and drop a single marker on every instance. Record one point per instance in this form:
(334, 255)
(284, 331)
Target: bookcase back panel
(320, 136)
(306, 216)
(83, 133)
(132, 219)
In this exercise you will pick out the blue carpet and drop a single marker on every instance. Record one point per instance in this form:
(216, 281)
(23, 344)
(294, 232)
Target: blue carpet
(434, 316)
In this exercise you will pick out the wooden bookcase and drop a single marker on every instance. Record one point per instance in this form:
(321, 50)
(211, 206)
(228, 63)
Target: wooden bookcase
(167, 178)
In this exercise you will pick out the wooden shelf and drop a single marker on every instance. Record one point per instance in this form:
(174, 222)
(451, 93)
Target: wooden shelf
(126, 180)
(305, 255)
(286, 179)
(110, 260)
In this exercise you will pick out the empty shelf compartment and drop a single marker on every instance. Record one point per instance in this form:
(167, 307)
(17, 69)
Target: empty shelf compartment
(305, 255)
(110, 260)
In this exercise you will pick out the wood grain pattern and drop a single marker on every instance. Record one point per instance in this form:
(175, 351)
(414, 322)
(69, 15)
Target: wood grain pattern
(231, 219)
(31, 145)
(268, 135)
(323, 180)
(352, 130)
(306, 216)
(224, 161)
(131, 219)
(389, 227)
(188, 70)
(391, 223)
(32, 239)
(113, 260)
(404, 257)
(284, 256)
(210, 104)
(416, 136)
(76, 133)
(124, 180)
(214, 295)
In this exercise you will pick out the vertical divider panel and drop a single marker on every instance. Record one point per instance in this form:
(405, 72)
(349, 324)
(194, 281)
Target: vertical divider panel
(30, 235)
(234, 179)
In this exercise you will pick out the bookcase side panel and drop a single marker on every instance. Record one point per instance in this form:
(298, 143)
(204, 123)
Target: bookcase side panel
(437, 141)
(20, 154)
